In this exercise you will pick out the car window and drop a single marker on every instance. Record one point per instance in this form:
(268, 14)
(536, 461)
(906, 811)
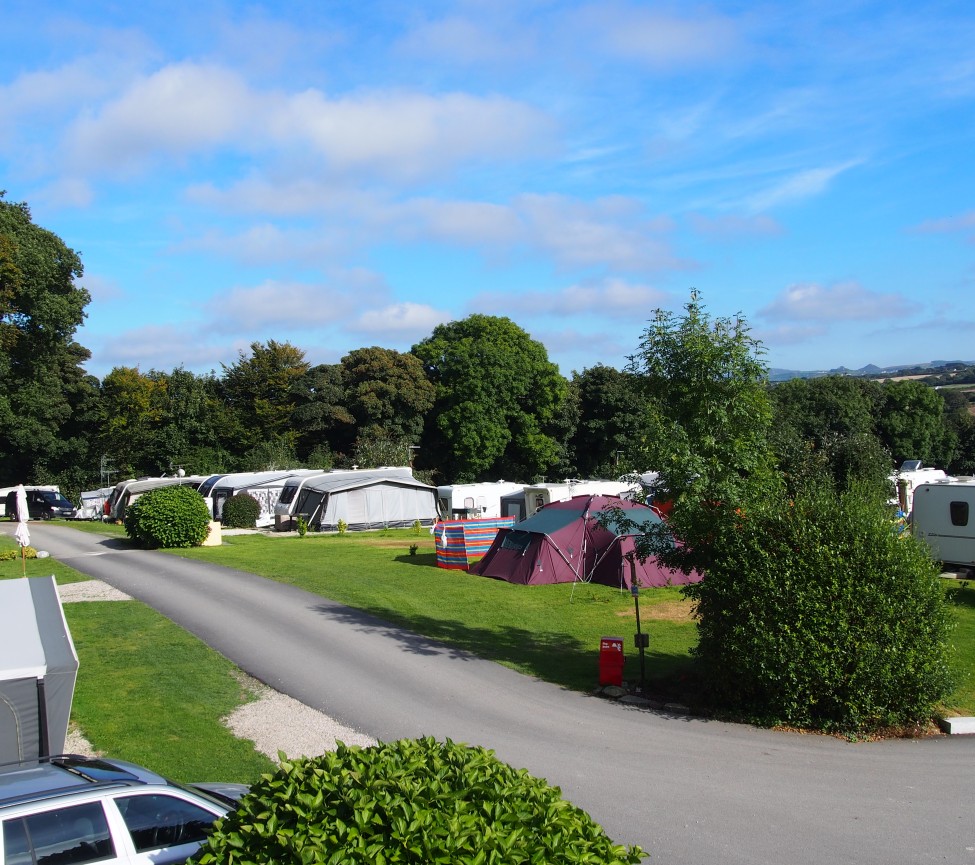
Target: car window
(63, 836)
(157, 820)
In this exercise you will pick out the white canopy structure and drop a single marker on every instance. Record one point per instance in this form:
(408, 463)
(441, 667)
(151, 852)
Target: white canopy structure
(38, 669)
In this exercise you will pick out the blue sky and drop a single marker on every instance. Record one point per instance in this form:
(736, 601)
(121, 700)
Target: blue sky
(342, 175)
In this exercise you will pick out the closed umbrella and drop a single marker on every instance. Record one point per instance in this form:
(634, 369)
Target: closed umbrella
(23, 532)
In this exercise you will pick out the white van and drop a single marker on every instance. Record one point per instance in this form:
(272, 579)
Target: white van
(944, 517)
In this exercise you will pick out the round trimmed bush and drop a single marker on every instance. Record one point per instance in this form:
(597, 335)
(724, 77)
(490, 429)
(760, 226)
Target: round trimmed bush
(411, 801)
(240, 511)
(168, 517)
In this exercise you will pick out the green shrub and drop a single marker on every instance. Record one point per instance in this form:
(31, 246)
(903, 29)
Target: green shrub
(411, 801)
(240, 511)
(342, 526)
(816, 613)
(173, 516)
(417, 526)
(7, 555)
(302, 525)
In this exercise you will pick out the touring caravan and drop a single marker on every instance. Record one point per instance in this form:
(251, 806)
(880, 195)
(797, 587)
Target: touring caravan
(944, 517)
(539, 495)
(297, 497)
(265, 487)
(126, 492)
(475, 501)
(909, 476)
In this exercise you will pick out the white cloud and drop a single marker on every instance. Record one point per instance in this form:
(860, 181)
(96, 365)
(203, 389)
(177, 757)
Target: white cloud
(799, 186)
(161, 347)
(845, 301)
(466, 42)
(400, 321)
(732, 227)
(186, 109)
(274, 304)
(963, 223)
(183, 109)
(604, 299)
(267, 243)
(654, 37)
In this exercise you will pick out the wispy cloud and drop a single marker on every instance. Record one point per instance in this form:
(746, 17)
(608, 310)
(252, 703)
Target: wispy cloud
(799, 186)
(963, 223)
(602, 299)
(845, 301)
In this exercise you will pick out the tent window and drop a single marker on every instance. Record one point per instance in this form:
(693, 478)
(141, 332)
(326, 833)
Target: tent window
(516, 541)
(959, 513)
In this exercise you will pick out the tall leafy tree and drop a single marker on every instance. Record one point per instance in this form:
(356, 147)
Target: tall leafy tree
(132, 407)
(323, 424)
(43, 387)
(498, 401)
(825, 426)
(387, 392)
(260, 390)
(609, 431)
(912, 423)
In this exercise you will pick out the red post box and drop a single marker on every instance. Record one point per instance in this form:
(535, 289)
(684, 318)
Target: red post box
(611, 661)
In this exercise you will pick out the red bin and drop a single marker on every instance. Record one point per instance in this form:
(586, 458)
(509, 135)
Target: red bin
(611, 661)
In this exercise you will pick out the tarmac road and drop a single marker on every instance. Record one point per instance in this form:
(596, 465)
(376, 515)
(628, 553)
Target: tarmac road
(689, 791)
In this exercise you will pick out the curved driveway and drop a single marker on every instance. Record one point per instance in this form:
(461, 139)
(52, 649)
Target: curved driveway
(690, 791)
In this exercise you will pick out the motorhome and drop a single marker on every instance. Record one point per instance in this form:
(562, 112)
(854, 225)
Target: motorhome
(475, 501)
(539, 495)
(944, 517)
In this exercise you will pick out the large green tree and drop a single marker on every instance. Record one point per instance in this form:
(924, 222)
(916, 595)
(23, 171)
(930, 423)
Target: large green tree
(261, 391)
(609, 432)
(828, 425)
(387, 392)
(323, 424)
(811, 611)
(498, 402)
(44, 391)
(912, 423)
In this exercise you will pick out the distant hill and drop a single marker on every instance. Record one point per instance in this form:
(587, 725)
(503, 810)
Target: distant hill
(873, 371)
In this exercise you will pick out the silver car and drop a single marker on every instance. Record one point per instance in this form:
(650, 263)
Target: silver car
(70, 810)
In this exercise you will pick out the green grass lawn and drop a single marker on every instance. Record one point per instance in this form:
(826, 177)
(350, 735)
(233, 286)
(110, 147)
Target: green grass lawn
(551, 632)
(148, 691)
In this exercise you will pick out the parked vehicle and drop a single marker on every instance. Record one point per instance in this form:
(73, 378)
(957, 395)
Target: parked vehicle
(91, 504)
(909, 476)
(42, 504)
(475, 501)
(70, 810)
(265, 487)
(298, 498)
(539, 495)
(5, 491)
(944, 517)
(128, 491)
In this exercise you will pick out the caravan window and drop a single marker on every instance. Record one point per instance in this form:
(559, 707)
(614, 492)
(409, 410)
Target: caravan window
(287, 494)
(959, 513)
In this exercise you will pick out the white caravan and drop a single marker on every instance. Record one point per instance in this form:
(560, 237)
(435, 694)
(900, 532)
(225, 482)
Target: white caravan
(944, 517)
(539, 495)
(475, 501)
(297, 497)
(909, 476)
(127, 492)
(264, 486)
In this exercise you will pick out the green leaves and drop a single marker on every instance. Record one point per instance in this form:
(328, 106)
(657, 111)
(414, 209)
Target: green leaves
(168, 517)
(411, 801)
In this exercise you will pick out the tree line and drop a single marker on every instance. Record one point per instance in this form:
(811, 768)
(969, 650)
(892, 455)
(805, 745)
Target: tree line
(478, 399)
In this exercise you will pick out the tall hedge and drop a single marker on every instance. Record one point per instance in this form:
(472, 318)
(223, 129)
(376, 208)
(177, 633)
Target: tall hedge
(818, 613)
(411, 801)
(167, 517)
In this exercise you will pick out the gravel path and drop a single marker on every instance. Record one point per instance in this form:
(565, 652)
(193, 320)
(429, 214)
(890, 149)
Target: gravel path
(272, 721)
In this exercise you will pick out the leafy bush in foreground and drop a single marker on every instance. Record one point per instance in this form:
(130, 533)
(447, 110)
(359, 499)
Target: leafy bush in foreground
(815, 613)
(241, 511)
(411, 801)
(168, 517)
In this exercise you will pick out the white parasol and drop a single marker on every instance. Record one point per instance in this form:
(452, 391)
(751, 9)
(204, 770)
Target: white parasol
(23, 532)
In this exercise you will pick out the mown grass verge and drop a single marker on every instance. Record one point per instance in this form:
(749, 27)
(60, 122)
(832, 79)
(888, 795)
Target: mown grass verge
(148, 691)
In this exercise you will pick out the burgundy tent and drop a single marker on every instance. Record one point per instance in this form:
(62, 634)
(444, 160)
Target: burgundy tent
(564, 542)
